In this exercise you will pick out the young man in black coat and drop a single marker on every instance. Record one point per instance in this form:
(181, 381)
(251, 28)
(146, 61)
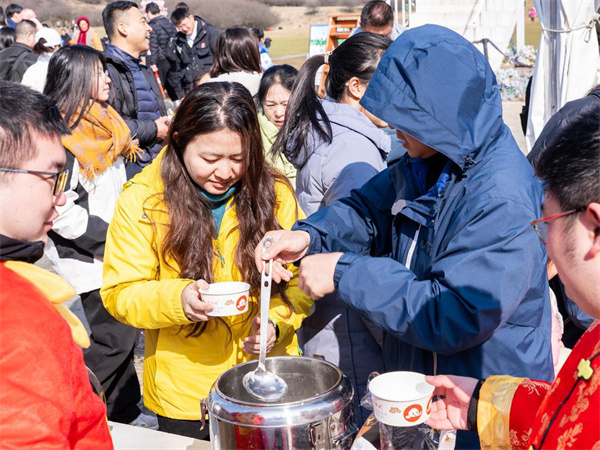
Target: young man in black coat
(194, 47)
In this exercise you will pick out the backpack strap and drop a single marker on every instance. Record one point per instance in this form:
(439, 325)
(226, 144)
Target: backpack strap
(19, 60)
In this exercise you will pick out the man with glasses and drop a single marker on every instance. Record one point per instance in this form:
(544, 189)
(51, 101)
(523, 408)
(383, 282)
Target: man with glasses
(195, 46)
(565, 414)
(46, 399)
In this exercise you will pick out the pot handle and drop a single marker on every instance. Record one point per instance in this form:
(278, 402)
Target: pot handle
(348, 437)
(203, 411)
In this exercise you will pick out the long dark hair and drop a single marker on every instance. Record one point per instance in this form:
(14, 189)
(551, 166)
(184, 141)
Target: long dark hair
(188, 242)
(236, 50)
(71, 80)
(284, 74)
(358, 56)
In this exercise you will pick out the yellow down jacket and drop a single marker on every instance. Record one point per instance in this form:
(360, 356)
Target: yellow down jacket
(140, 289)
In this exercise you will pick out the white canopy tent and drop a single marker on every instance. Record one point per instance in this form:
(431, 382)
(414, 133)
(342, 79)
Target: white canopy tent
(567, 64)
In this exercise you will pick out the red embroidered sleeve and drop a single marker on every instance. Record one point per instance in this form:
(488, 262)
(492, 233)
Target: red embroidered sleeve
(526, 402)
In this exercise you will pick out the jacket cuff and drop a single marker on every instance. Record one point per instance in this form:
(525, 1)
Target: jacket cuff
(155, 132)
(277, 333)
(493, 410)
(342, 265)
(178, 314)
(315, 239)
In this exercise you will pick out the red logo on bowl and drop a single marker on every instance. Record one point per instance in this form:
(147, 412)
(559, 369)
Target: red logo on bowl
(241, 303)
(428, 408)
(413, 413)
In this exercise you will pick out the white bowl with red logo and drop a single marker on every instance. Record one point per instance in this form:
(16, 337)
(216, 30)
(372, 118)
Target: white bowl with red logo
(228, 298)
(401, 399)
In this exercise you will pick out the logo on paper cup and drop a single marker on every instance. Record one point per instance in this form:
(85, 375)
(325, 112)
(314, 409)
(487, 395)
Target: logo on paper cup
(428, 408)
(241, 303)
(413, 413)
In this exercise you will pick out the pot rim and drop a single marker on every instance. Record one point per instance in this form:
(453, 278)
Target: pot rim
(279, 404)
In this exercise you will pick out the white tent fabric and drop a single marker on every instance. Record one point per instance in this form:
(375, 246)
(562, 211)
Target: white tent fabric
(567, 64)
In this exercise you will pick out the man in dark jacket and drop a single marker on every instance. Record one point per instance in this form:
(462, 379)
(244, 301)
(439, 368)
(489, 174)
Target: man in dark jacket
(161, 56)
(17, 58)
(195, 46)
(437, 249)
(134, 91)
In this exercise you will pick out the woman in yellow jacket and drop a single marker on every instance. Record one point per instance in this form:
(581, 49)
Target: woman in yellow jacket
(194, 217)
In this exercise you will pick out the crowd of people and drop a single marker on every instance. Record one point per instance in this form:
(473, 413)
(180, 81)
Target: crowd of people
(408, 229)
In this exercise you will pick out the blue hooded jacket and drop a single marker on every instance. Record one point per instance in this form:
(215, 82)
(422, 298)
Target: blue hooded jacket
(456, 276)
(326, 172)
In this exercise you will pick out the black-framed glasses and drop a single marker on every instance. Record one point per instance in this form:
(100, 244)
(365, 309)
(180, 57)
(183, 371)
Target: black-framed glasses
(60, 178)
(541, 225)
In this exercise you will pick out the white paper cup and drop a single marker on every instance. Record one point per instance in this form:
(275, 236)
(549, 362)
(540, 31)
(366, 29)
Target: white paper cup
(401, 399)
(228, 298)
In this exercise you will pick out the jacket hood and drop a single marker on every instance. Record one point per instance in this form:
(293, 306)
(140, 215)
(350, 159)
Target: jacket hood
(344, 118)
(437, 87)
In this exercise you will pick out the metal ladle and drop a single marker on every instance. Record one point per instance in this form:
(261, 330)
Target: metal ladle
(261, 383)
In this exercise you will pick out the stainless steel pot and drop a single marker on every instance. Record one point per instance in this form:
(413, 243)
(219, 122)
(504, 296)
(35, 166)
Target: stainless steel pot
(316, 413)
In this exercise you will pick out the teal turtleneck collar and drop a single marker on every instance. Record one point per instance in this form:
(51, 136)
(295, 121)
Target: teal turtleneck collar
(218, 204)
(216, 199)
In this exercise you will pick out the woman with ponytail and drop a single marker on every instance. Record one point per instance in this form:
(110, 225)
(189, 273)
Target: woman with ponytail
(336, 146)
(193, 217)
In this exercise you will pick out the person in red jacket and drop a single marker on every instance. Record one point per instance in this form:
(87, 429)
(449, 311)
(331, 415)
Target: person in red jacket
(528, 414)
(46, 400)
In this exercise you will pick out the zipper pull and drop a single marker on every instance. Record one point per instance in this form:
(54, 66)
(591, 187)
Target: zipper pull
(221, 256)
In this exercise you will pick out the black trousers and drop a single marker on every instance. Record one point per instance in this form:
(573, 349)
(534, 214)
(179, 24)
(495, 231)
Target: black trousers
(110, 357)
(189, 428)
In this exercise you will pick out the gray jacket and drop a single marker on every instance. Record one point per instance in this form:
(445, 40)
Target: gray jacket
(327, 172)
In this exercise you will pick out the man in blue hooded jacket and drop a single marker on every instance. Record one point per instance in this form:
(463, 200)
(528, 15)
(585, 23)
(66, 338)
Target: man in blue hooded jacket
(437, 249)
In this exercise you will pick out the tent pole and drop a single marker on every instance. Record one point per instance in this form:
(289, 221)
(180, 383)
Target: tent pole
(403, 13)
(554, 56)
(520, 25)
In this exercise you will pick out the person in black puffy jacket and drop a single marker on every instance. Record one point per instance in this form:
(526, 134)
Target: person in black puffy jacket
(161, 56)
